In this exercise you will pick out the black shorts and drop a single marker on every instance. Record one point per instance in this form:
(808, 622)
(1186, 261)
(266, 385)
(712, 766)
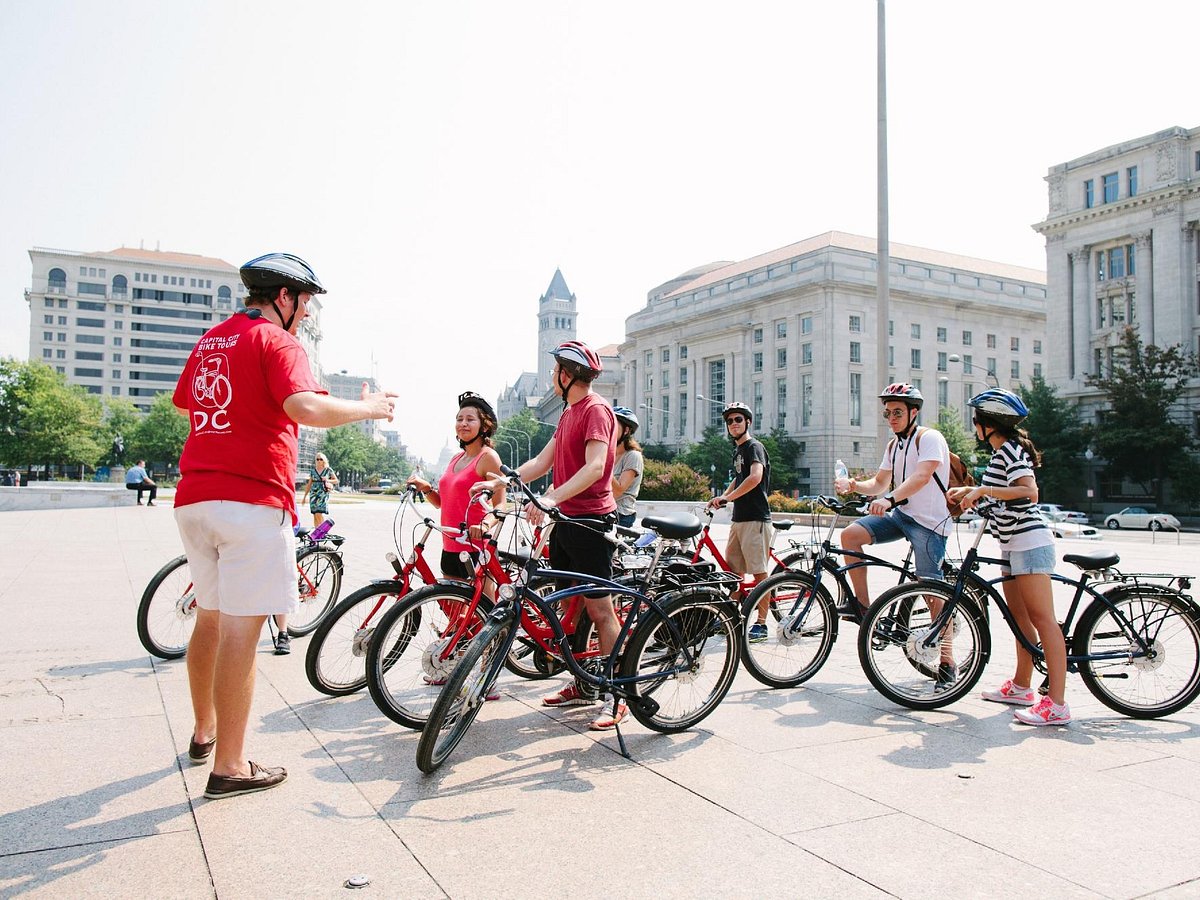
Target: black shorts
(453, 567)
(574, 548)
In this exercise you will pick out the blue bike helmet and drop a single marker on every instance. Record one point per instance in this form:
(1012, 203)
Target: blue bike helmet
(1000, 405)
(625, 416)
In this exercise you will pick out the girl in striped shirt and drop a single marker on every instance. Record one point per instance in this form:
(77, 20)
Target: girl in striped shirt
(1009, 488)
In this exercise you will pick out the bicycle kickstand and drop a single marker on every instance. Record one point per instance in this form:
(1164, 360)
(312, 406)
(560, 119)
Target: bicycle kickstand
(617, 726)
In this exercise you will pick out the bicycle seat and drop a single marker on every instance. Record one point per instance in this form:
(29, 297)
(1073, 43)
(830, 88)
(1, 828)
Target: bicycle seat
(674, 525)
(782, 526)
(1090, 562)
(517, 559)
(301, 530)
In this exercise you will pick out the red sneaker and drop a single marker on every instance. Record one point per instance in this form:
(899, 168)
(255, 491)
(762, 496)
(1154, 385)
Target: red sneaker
(568, 696)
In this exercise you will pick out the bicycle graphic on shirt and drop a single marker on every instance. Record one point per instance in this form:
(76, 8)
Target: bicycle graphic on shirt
(211, 386)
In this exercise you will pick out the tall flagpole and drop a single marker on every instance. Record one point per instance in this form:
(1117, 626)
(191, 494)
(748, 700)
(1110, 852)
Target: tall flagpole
(883, 314)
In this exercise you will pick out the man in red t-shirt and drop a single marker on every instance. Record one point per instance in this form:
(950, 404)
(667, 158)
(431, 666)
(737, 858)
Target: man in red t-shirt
(244, 388)
(581, 454)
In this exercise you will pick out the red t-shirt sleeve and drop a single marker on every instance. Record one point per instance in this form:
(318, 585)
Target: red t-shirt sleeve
(285, 366)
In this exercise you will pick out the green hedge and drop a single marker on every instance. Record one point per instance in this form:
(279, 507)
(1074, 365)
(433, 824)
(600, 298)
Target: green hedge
(672, 481)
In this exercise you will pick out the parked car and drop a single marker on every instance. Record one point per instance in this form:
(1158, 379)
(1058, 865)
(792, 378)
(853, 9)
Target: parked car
(1073, 530)
(1055, 513)
(1140, 517)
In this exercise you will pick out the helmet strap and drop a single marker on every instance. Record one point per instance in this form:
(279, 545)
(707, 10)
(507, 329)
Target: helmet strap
(287, 326)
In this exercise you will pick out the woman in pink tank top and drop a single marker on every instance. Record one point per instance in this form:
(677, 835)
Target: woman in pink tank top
(473, 426)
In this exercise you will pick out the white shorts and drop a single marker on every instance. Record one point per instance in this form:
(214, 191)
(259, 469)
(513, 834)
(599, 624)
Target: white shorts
(242, 557)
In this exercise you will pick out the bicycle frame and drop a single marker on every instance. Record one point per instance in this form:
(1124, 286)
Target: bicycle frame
(705, 542)
(1082, 586)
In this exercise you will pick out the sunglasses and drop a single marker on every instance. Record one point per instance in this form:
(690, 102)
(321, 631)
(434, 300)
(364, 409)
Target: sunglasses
(894, 414)
(735, 420)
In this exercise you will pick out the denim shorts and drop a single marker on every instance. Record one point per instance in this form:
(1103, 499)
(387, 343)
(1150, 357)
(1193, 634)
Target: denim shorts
(929, 547)
(1034, 561)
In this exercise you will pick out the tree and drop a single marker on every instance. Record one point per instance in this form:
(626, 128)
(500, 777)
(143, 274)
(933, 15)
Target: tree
(1056, 431)
(160, 435)
(350, 452)
(962, 442)
(672, 481)
(44, 420)
(1137, 436)
(122, 418)
(659, 452)
(783, 452)
(712, 456)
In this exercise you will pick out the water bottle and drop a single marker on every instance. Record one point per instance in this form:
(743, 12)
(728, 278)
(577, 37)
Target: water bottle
(841, 477)
(320, 531)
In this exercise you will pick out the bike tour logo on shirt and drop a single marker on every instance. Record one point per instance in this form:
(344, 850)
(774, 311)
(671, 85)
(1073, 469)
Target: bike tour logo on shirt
(212, 392)
(737, 463)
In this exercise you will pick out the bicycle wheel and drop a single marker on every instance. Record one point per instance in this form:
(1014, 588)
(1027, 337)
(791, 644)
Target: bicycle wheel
(795, 561)
(465, 692)
(526, 658)
(900, 662)
(336, 661)
(167, 613)
(708, 625)
(319, 573)
(799, 632)
(1131, 682)
(407, 664)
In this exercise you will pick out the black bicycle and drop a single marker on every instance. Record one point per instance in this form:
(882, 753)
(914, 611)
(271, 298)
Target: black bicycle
(1136, 643)
(802, 612)
(673, 661)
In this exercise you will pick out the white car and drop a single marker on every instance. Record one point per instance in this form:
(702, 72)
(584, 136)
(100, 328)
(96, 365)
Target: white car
(1053, 512)
(1072, 530)
(1140, 517)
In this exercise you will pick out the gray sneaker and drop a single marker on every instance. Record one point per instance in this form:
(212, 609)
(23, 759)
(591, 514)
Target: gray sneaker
(283, 644)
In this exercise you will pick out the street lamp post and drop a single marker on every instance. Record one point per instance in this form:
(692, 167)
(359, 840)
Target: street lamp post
(1091, 492)
(666, 417)
(955, 358)
(512, 448)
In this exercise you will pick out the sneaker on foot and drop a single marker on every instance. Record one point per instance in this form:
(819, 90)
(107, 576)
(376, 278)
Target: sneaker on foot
(947, 674)
(608, 720)
(283, 644)
(569, 696)
(1010, 693)
(260, 779)
(1044, 712)
(758, 633)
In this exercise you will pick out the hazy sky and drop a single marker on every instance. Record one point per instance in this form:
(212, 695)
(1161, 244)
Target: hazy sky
(436, 161)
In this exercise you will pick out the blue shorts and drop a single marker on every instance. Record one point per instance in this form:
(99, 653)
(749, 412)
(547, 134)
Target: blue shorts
(929, 547)
(1034, 561)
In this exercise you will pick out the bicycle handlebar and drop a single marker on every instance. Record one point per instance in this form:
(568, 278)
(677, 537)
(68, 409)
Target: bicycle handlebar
(553, 512)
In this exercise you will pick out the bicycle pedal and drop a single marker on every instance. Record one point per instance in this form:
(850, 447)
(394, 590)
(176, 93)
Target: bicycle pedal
(647, 706)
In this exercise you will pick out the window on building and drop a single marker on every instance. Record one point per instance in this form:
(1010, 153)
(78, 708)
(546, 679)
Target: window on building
(1111, 187)
(1014, 344)
(781, 358)
(781, 403)
(1089, 199)
(666, 414)
(967, 364)
(756, 403)
(1130, 266)
(991, 365)
(716, 390)
(942, 335)
(47, 320)
(1131, 181)
(806, 390)
(806, 354)
(1037, 370)
(57, 279)
(116, 357)
(1116, 262)
(1132, 308)
(942, 361)
(1101, 268)
(915, 331)
(915, 357)
(856, 398)
(757, 361)
(966, 339)
(683, 408)
(1101, 313)
(781, 330)
(682, 376)
(666, 354)
(1117, 314)
(855, 352)
(47, 352)
(943, 393)
(1016, 368)
(666, 379)
(1197, 165)
(758, 336)
(47, 335)
(683, 351)
(116, 342)
(891, 328)
(649, 355)
(891, 356)
(1037, 348)
(806, 325)
(62, 320)
(649, 381)
(991, 342)
(856, 323)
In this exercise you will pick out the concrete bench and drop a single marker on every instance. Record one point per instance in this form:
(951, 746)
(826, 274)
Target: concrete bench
(65, 495)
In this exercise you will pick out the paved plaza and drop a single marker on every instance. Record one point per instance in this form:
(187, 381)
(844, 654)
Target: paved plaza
(828, 790)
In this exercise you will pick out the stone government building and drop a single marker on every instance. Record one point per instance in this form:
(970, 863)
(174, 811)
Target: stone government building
(793, 332)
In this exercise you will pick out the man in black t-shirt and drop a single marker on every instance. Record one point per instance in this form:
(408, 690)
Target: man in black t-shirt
(748, 550)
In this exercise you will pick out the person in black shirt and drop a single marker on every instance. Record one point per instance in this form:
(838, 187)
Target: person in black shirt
(748, 549)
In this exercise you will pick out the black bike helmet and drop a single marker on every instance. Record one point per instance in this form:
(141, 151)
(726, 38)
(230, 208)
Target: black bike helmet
(470, 398)
(737, 407)
(276, 270)
(904, 393)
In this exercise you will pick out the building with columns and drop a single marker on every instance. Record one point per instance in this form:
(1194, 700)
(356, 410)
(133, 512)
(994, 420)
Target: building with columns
(793, 333)
(1122, 248)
